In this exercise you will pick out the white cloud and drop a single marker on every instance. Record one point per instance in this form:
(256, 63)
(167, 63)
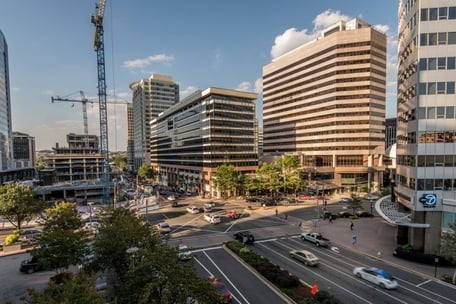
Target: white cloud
(256, 87)
(244, 86)
(293, 38)
(144, 62)
(382, 27)
(187, 91)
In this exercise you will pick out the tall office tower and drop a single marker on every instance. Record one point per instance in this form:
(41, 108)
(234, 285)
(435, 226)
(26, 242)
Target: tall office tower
(24, 150)
(390, 132)
(325, 102)
(130, 138)
(6, 137)
(151, 96)
(205, 130)
(426, 125)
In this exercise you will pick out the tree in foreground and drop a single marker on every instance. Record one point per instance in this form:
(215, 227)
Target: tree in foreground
(448, 246)
(18, 204)
(63, 241)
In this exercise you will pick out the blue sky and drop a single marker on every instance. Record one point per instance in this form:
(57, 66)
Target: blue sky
(198, 43)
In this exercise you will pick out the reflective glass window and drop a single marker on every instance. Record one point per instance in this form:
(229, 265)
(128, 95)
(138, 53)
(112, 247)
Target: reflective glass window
(424, 14)
(432, 63)
(451, 63)
(450, 112)
(423, 39)
(452, 38)
(442, 38)
(433, 13)
(441, 63)
(443, 13)
(441, 88)
(423, 64)
(450, 87)
(452, 12)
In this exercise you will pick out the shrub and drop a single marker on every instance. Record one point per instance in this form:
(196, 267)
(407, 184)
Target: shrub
(326, 298)
(12, 238)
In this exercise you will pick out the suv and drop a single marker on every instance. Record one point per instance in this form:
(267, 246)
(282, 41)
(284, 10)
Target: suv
(30, 265)
(245, 237)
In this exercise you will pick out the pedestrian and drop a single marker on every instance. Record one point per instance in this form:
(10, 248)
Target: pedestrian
(286, 215)
(330, 219)
(300, 224)
(277, 212)
(351, 225)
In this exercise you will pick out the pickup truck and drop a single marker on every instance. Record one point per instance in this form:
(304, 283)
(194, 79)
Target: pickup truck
(316, 238)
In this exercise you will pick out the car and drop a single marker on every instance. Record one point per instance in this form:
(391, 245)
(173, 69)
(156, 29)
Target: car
(225, 295)
(184, 254)
(29, 235)
(163, 227)
(193, 209)
(305, 256)
(31, 265)
(206, 208)
(174, 204)
(212, 218)
(233, 214)
(377, 276)
(344, 214)
(361, 213)
(246, 237)
(343, 200)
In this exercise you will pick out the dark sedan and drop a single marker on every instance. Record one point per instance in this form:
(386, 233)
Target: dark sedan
(344, 214)
(245, 237)
(363, 214)
(31, 265)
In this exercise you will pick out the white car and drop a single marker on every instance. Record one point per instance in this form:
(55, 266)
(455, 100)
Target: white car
(28, 235)
(184, 254)
(305, 256)
(213, 219)
(377, 276)
(193, 209)
(163, 227)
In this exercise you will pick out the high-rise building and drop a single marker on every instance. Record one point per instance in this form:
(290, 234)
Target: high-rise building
(6, 137)
(205, 130)
(130, 138)
(426, 126)
(325, 102)
(24, 150)
(390, 132)
(151, 96)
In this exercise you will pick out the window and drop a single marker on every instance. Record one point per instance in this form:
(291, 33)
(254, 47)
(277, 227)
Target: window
(433, 13)
(442, 38)
(452, 38)
(450, 87)
(441, 111)
(432, 38)
(451, 63)
(423, 39)
(421, 161)
(430, 113)
(449, 160)
(443, 13)
(424, 14)
(430, 161)
(423, 64)
(441, 63)
(422, 88)
(431, 88)
(450, 112)
(440, 90)
(421, 113)
(429, 184)
(432, 63)
(452, 12)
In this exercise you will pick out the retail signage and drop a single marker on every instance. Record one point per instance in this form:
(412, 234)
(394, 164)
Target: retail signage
(428, 200)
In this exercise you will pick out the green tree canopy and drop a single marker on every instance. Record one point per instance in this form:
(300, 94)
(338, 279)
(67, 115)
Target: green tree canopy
(289, 167)
(18, 204)
(63, 241)
(355, 203)
(448, 246)
(120, 162)
(226, 179)
(269, 177)
(146, 172)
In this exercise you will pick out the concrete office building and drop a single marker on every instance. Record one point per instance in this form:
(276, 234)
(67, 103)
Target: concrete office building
(6, 137)
(203, 131)
(24, 150)
(325, 102)
(151, 96)
(130, 138)
(426, 124)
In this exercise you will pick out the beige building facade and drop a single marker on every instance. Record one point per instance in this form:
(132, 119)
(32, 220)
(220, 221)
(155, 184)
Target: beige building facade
(325, 102)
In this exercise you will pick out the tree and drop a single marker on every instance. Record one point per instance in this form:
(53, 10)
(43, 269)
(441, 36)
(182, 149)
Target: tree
(146, 172)
(355, 203)
(448, 246)
(120, 162)
(18, 204)
(40, 163)
(79, 288)
(269, 177)
(289, 166)
(226, 179)
(63, 241)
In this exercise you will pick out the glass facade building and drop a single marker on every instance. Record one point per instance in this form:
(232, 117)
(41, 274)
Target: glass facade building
(426, 122)
(6, 138)
(205, 130)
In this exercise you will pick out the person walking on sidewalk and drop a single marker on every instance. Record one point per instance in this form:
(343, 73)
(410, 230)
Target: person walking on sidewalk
(351, 225)
(277, 212)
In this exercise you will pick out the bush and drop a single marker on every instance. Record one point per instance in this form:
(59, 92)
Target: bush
(408, 253)
(12, 238)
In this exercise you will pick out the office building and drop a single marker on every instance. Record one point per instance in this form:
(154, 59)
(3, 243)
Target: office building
(130, 138)
(205, 130)
(390, 132)
(426, 125)
(6, 137)
(325, 102)
(24, 150)
(151, 96)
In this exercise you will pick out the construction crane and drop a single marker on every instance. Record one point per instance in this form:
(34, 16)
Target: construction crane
(98, 45)
(84, 102)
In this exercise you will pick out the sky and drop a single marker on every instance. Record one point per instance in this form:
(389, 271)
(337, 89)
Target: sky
(199, 43)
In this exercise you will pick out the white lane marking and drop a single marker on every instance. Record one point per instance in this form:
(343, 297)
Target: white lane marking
(425, 282)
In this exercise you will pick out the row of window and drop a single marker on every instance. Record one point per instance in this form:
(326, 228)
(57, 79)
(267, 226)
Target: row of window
(435, 112)
(438, 13)
(448, 160)
(440, 63)
(433, 88)
(441, 38)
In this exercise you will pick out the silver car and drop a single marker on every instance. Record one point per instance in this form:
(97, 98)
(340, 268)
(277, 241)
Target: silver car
(307, 257)
(377, 276)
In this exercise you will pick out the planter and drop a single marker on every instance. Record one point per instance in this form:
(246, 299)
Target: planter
(12, 248)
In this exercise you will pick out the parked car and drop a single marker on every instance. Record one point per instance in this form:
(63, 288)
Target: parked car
(307, 257)
(212, 218)
(184, 254)
(361, 213)
(246, 237)
(29, 235)
(377, 276)
(224, 293)
(344, 214)
(31, 265)
(206, 208)
(193, 209)
(163, 227)
(233, 214)
(343, 200)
